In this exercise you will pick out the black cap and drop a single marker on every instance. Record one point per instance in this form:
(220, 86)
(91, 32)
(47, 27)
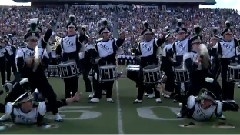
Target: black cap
(147, 29)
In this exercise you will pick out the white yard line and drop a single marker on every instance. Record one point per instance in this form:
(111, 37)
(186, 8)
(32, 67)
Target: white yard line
(120, 121)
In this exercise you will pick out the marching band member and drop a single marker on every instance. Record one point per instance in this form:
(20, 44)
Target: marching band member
(26, 110)
(167, 64)
(85, 60)
(203, 107)
(227, 51)
(212, 49)
(88, 65)
(30, 64)
(10, 66)
(179, 48)
(3, 54)
(197, 63)
(106, 49)
(147, 50)
(69, 50)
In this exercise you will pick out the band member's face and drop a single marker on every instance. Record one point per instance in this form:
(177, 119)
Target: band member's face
(148, 37)
(106, 35)
(228, 36)
(207, 103)
(196, 46)
(71, 30)
(27, 106)
(181, 35)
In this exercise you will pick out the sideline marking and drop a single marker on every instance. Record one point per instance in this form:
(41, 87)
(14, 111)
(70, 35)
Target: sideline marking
(147, 112)
(120, 122)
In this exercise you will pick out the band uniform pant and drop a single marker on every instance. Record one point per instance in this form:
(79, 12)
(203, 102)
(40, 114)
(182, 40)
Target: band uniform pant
(71, 86)
(227, 86)
(170, 82)
(86, 67)
(10, 67)
(38, 80)
(3, 69)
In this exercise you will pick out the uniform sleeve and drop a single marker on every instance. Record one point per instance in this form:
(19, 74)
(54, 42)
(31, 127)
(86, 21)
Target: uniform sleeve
(59, 50)
(42, 108)
(138, 50)
(80, 47)
(119, 42)
(191, 102)
(160, 41)
(218, 111)
(8, 108)
(46, 37)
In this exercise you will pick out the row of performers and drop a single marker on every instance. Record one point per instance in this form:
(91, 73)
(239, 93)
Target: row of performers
(30, 63)
(7, 59)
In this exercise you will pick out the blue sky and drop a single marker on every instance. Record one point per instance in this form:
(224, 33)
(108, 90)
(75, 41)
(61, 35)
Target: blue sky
(220, 4)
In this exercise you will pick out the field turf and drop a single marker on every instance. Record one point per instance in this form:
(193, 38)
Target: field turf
(123, 117)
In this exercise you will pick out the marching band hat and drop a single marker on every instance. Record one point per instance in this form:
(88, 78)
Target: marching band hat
(105, 28)
(71, 22)
(33, 32)
(215, 34)
(180, 28)
(27, 96)
(227, 30)
(147, 29)
(197, 38)
(206, 94)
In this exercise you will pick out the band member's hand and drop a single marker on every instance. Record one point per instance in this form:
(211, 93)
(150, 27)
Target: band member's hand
(97, 60)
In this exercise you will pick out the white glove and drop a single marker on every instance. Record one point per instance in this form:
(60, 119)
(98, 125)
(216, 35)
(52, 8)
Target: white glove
(81, 55)
(210, 80)
(8, 87)
(2, 127)
(47, 126)
(24, 80)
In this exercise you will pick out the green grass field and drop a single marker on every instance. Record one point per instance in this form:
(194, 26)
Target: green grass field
(123, 116)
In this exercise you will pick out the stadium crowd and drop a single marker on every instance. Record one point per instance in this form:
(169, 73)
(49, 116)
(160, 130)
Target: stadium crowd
(14, 19)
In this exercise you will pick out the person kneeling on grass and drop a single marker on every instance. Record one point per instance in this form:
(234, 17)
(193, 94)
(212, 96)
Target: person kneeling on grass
(25, 110)
(203, 107)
